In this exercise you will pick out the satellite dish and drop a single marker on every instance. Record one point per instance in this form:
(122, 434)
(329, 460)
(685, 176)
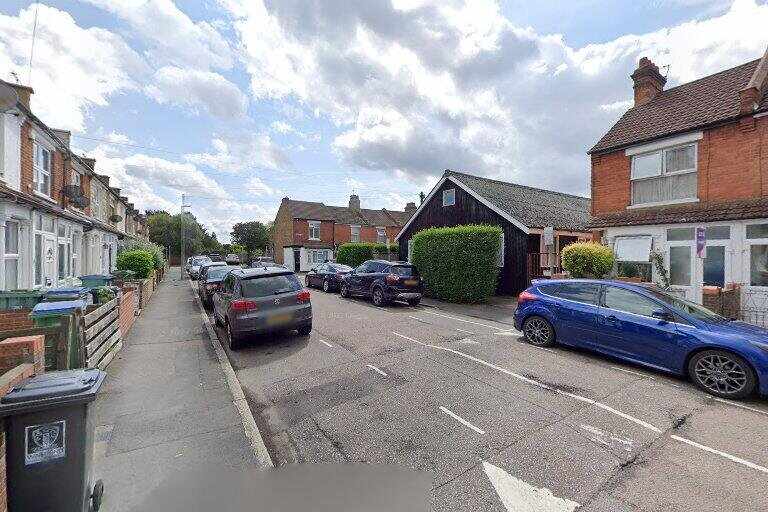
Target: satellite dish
(8, 97)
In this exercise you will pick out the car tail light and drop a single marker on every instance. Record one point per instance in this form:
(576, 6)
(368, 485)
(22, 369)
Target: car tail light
(525, 297)
(303, 296)
(392, 278)
(243, 305)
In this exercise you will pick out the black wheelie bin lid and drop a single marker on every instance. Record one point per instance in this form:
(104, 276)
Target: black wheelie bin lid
(53, 389)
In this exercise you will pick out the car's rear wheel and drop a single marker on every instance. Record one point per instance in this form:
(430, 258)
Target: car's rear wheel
(538, 331)
(378, 297)
(344, 291)
(413, 302)
(326, 286)
(234, 339)
(722, 374)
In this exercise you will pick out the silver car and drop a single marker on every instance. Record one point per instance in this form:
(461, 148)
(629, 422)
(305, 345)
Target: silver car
(262, 300)
(195, 264)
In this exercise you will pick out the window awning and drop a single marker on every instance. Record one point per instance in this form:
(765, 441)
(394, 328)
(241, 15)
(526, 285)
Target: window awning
(633, 248)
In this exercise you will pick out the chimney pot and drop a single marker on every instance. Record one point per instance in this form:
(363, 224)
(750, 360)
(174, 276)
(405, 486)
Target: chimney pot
(648, 82)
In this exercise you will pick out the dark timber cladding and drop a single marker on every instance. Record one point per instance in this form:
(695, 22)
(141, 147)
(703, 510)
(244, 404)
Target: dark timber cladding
(468, 210)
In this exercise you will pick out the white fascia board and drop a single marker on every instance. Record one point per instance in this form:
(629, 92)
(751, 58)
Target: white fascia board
(664, 143)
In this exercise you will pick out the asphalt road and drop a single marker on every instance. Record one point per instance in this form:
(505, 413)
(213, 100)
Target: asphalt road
(497, 422)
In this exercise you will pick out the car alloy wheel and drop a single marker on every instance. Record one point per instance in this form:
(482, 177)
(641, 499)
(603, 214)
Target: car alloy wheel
(723, 374)
(538, 331)
(344, 291)
(326, 286)
(378, 297)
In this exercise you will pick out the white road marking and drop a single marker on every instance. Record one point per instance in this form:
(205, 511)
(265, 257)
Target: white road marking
(519, 496)
(462, 330)
(462, 320)
(462, 420)
(545, 349)
(326, 343)
(469, 342)
(632, 372)
(377, 370)
(510, 332)
(605, 438)
(728, 456)
(739, 405)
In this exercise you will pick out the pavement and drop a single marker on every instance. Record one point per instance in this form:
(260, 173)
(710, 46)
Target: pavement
(165, 408)
(497, 424)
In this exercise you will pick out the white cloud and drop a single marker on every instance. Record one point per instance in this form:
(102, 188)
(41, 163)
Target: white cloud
(257, 187)
(221, 216)
(424, 86)
(241, 151)
(74, 69)
(195, 90)
(173, 38)
(118, 138)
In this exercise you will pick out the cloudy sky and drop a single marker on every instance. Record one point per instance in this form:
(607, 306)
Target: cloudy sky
(241, 102)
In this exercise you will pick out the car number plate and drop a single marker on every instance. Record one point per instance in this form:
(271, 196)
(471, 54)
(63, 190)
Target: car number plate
(279, 319)
(411, 282)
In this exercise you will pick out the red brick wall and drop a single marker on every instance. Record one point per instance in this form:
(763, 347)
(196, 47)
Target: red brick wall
(27, 176)
(57, 178)
(16, 319)
(732, 162)
(301, 231)
(24, 349)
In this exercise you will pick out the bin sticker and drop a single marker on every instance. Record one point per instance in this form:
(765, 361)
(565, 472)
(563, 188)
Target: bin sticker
(46, 442)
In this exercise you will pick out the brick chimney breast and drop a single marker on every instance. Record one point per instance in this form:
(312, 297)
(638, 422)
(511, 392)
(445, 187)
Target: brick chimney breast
(648, 82)
(354, 202)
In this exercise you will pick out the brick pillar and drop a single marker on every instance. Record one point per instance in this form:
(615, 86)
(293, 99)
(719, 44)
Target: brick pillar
(25, 349)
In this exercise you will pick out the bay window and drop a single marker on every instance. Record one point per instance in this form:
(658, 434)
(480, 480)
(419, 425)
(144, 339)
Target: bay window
(664, 176)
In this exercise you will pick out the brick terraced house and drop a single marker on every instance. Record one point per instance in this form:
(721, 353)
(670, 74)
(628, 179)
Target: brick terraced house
(58, 218)
(685, 163)
(307, 233)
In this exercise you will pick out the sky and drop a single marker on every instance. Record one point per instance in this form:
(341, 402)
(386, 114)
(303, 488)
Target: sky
(239, 103)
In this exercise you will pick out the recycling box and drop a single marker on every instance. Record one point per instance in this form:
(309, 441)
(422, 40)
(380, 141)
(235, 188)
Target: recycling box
(49, 442)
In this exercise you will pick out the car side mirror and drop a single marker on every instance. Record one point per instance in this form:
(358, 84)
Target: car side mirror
(663, 315)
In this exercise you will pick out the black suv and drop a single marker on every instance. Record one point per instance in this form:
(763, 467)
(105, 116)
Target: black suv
(384, 281)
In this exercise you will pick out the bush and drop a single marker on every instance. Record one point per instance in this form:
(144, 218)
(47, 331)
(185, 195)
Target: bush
(458, 264)
(157, 251)
(139, 261)
(354, 253)
(587, 259)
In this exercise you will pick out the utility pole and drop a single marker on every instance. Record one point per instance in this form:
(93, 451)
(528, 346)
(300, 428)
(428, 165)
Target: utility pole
(183, 219)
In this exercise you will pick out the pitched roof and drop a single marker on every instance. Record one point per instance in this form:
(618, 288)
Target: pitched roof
(710, 211)
(706, 101)
(533, 207)
(344, 215)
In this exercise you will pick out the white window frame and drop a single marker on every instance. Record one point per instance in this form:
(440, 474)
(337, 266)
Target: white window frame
(11, 256)
(381, 235)
(2, 146)
(749, 242)
(313, 224)
(39, 170)
(354, 233)
(663, 173)
(449, 193)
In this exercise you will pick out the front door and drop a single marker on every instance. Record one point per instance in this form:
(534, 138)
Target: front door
(628, 329)
(296, 260)
(49, 260)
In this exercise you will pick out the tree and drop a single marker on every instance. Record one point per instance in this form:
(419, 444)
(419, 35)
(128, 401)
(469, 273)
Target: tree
(253, 236)
(165, 229)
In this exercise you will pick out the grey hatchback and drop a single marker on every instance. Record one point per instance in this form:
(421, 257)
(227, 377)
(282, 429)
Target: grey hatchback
(261, 300)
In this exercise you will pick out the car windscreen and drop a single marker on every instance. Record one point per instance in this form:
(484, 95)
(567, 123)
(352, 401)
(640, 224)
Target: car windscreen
(695, 310)
(263, 286)
(200, 261)
(339, 268)
(217, 272)
(404, 271)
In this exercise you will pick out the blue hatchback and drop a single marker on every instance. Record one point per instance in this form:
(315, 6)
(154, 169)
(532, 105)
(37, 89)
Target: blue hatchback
(650, 327)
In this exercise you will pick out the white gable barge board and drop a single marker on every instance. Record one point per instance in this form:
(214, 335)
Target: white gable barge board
(472, 193)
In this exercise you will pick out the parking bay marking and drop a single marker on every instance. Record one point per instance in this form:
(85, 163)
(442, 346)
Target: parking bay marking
(462, 420)
(584, 399)
(326, 343)
(739, 405)
(462, 320)
(377, 370)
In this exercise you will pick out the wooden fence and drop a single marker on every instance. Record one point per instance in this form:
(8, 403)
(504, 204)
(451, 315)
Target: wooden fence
(102, 334)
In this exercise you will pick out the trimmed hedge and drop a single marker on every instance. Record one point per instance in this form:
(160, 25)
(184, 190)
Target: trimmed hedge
(138, 261)
(156, 251)
(458, 264)
(587, 259)
(355, 253)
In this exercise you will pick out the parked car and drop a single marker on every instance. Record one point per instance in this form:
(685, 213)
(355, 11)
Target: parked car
(261, 300)
(195, 264)
(232, 259)
(215, 256)
(260, 261)
(384, 281)
(648, 326)
(210, 280)
(207, 265)
(327, 276)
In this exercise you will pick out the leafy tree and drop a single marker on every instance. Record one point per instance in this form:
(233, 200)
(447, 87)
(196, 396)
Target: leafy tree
(165, 229)
(252, 235)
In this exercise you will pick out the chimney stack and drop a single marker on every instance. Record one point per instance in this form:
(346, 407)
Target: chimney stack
(24, 92)
(648, 82)
(410, 208)
(354, 202)
(752, 94)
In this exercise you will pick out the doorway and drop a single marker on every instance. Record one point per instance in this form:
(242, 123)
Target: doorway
(296, 260)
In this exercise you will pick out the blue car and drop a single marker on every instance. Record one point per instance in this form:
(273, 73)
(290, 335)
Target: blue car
(647, 326)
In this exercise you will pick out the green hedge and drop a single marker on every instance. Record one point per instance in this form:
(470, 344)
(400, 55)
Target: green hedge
(587, 259)
(157, 251)
(458, 264)
(355, 253)
(138, 261)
